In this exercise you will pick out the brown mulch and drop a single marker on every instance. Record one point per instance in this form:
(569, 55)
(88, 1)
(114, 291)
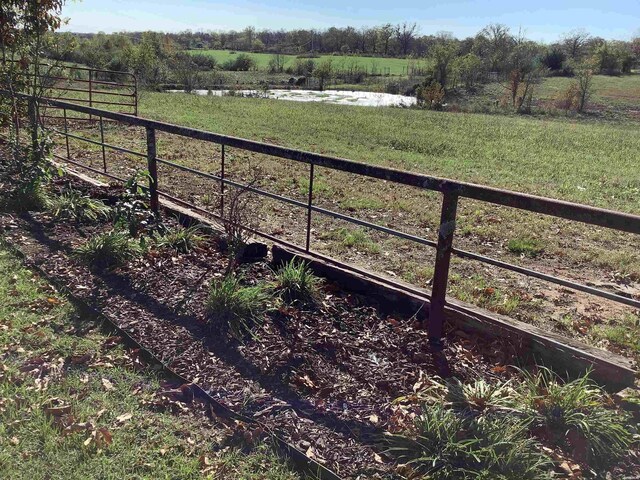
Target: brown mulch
(323, 376)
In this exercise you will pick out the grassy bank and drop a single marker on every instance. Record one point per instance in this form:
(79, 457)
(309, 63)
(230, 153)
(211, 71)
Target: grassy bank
(75, 405)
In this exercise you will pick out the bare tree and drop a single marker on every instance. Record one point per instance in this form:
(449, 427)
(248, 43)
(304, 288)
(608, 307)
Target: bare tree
(405, 34)
(574, 43)
(385, 33)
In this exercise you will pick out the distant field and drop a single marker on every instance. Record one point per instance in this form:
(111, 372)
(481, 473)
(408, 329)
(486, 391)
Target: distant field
(395, 66)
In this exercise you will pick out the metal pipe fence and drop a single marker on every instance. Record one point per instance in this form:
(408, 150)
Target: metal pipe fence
(452, 191)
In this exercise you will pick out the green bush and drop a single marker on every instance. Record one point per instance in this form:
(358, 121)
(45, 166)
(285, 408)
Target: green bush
(575, 416)
(241, 63)
(235, 309)
(182, 240)
(108, 250)
(296, 282)
(448, 444)
(75, 206)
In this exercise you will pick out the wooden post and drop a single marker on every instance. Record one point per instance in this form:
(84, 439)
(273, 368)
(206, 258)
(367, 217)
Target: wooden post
(152, 166)
(441, 270)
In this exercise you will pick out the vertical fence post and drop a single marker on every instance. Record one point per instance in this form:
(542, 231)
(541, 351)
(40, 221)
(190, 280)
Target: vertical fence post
(90, 91)
(310, 201)
(152, 166)
(135, 95)
(66, 132)
(104, 152)
(222, 184)
(441, 270)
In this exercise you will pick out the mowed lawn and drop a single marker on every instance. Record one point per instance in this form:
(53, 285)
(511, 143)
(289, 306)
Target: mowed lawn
(383, 65)
(583, 161)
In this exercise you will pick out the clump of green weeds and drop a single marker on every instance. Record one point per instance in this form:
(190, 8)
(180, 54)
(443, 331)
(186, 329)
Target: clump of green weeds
(108, 250)
(296, 282)
(529, 247)
(233, 308)
(448, 444)
(73, 205)
(182, 240)
(575, 415)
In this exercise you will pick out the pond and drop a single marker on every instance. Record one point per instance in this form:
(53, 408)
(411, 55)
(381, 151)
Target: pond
(337, 97)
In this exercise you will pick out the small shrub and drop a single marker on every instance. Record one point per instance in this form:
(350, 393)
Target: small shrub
(75, 206)
(241, 63)
(182, 240)
(574, 415)
(296, 282)
(529, 247)
(446, 444)
(233, 308)
(108, 250)
(431, 96)
(132, 211)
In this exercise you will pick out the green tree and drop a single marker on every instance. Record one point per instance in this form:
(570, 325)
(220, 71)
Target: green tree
(323, 72)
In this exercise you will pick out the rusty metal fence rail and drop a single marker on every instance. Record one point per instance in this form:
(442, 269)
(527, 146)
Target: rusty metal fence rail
(452, 191)
(95, 87)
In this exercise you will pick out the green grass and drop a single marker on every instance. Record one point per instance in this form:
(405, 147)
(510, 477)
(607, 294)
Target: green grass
(529, 247)
(234, 308)
(57, 371)
(296, 282)
(587, 162)
(108, 250)
(396, 66)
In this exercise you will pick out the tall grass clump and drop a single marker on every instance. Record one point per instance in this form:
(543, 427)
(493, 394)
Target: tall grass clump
(108, 250)
(447, 444)
(233, 308)
(73, 205)
(182, 240)
(574, 416)
(296, 282)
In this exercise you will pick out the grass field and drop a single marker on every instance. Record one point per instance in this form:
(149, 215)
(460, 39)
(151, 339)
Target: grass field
(75, 405)
(586, 162)
(394, 66)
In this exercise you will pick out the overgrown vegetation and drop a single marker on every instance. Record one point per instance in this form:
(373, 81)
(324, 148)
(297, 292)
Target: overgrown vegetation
(447, 444)
(296, 282)
(234, 308)
(182, 240)
(495, 430)
(108, 250)
(73, 205)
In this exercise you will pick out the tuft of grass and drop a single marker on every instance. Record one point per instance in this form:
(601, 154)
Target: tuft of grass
(446, 444)
(74, 205)
(475, 289)
(233, 308)
(355, 238)
(624, 334)
(108, 250)
(574, 415)
(182, 240)
(296, 282)
(529, 247)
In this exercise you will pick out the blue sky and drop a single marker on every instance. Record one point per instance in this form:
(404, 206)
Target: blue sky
(540, 19)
